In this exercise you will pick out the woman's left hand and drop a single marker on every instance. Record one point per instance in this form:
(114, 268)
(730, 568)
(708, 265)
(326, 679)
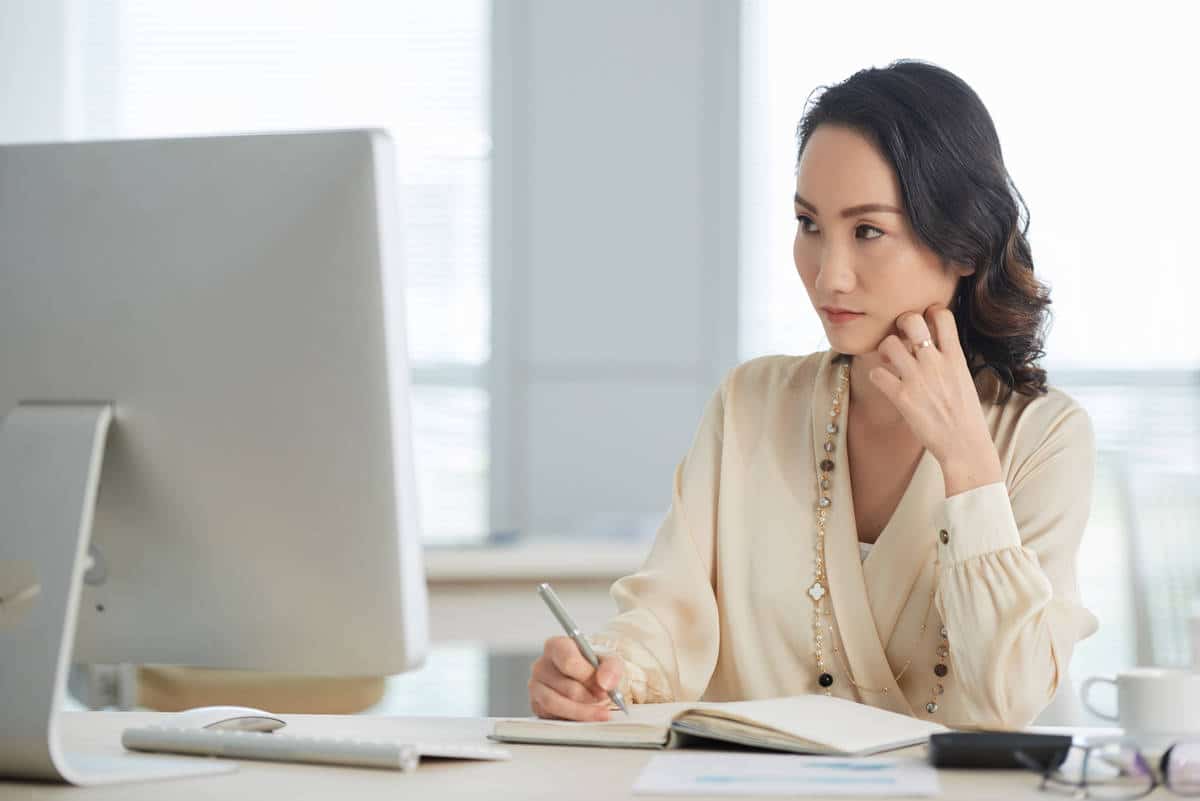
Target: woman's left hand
(929, 383)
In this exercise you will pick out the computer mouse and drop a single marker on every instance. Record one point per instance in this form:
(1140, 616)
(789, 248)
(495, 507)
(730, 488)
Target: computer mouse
(233, 718)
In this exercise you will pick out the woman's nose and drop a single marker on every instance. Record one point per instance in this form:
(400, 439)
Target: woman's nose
(836, 272)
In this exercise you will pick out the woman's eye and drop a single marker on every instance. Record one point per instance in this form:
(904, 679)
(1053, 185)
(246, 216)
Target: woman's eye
(806, 224)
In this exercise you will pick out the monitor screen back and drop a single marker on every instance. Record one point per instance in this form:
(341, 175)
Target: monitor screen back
(239, 300)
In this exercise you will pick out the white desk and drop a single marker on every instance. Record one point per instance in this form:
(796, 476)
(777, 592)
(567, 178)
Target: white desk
(535, 772)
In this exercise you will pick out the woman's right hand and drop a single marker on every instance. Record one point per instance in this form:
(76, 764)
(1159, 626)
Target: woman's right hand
(565, 686)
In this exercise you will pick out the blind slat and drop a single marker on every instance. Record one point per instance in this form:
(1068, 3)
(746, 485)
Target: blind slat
(177, 67)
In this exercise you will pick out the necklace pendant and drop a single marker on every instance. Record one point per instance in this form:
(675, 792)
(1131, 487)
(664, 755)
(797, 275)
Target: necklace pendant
(816, 591)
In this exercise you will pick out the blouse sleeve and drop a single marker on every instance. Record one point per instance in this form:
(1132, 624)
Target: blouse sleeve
(667, 629)
(1007, 588)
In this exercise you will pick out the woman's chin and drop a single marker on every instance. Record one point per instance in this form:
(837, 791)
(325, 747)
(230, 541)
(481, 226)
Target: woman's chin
(851, 344)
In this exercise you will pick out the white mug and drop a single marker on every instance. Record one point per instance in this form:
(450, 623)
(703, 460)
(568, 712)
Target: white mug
(1194, 623)
(1152, 701)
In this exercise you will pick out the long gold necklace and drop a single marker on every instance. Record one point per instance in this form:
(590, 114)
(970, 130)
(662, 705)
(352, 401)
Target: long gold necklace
(819, 590)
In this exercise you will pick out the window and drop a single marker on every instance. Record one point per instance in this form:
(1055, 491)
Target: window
(1100, 149)
(143, 68)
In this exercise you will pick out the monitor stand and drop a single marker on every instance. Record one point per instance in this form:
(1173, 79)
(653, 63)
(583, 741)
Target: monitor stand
(50, 458)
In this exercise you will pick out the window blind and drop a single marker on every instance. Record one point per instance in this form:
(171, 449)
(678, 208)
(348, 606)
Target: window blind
(144, 68)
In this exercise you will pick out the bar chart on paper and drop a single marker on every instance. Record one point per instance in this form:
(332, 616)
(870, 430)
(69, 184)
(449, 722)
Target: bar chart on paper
(784, 775)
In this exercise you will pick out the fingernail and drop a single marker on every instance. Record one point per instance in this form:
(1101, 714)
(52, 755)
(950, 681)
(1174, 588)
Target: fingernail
(606, 683)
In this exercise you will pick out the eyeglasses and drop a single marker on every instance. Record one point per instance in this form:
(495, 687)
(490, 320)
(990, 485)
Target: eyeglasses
(1117, 770)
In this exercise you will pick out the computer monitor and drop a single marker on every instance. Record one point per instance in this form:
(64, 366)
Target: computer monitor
(236, 304)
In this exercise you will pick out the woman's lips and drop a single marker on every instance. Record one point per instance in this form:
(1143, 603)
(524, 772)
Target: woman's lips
(841, 317)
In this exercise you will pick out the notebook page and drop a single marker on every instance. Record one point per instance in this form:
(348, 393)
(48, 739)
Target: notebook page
(843, 725)
(645, 722)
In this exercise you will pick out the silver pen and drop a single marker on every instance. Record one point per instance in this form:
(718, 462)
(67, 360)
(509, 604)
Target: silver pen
(585, 648)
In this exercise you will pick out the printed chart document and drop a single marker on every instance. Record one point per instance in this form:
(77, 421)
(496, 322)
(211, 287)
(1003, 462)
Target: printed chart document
(785, 775)
(807, 724)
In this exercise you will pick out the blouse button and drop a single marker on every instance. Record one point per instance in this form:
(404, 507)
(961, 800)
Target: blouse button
(944, 536)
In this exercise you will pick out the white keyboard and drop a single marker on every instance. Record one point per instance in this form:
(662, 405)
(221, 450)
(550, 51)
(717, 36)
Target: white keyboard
(359, 751)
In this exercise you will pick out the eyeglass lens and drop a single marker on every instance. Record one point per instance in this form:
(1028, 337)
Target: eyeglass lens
(1181, 768)
(1111, 772)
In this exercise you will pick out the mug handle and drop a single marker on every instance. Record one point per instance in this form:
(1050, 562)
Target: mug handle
(1085, 689)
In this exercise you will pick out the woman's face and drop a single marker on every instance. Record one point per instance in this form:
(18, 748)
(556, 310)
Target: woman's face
(854, 247)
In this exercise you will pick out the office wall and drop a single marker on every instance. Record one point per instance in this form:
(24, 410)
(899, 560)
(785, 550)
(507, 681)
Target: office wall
(614, 252)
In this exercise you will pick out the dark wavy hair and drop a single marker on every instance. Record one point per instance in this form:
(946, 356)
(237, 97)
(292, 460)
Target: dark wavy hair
(960, 201)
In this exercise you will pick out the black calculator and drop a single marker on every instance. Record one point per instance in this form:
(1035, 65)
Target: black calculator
(993, 750)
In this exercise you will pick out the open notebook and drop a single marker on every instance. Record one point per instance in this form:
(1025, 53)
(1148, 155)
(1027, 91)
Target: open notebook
(805, 724)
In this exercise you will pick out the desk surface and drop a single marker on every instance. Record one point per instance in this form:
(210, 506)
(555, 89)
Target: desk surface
(535, 772)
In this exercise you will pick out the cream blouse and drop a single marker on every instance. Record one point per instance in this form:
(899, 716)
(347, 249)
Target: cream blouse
(720, 609)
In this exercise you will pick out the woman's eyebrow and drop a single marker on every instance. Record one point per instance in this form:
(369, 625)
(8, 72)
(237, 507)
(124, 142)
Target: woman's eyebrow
(853, 210)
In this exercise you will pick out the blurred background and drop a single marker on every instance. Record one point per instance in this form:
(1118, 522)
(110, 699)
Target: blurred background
(597, 212)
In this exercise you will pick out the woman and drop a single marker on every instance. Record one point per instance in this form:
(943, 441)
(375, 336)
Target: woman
(896, 520)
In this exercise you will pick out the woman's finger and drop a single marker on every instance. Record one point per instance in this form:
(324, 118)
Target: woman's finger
(916, 330)
(565, 656)
(888, 384)
(549, 675)
(610, 672)
(945, 328)
(547, 703)
(900, 360)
